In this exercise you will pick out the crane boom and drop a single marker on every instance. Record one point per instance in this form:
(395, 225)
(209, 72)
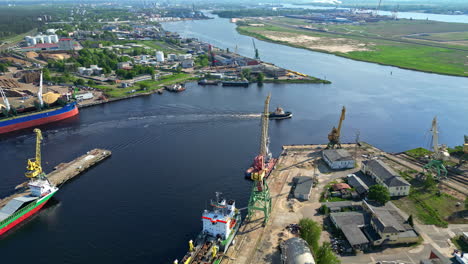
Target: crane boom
(342, 117)
(5, 99)
(34, 167)
(39, 93)
(264, 134)
(257, 56)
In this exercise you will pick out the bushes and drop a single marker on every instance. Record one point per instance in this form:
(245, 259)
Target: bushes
(310, 232)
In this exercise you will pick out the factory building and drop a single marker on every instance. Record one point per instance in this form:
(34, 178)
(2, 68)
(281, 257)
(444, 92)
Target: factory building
(61, 44)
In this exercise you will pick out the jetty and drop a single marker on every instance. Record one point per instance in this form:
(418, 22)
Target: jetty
(65, 171)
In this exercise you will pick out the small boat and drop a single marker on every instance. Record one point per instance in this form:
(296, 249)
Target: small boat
(206, 82)
(175, 88)
(279, 113)
(236, 83)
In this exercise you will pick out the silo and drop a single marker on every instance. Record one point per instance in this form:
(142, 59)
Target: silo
(160, 56)
(47, 39)
(53, 38)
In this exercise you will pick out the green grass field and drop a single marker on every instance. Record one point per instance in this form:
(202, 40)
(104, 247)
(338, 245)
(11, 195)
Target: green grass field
(447, 36)
(428, 206)
(114, 92)
(442, 59)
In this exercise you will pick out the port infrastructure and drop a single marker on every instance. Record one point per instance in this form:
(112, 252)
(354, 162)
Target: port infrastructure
(260, 199)
(334, 136)
(436, 163)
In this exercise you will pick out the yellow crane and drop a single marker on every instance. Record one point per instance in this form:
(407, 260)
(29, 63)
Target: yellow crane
(34, 168)
(334, 136)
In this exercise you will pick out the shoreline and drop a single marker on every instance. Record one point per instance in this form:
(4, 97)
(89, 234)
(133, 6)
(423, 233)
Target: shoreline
(263, 38)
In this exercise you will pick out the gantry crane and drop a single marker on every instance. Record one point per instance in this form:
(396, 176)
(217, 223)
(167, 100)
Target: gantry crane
(34, 167)
(436, 164)
(257, 55)
(334, 136)
(260, 199)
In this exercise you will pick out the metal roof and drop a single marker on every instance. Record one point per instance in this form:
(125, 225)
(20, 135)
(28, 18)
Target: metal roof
(337, 155)
(358, 184)
(303, 185)
(385, 173)
(350, 223)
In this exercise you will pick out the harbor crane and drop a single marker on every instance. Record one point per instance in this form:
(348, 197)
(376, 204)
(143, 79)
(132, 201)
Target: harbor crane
(378, 8)
(260, 199)
(334, 136)
(436, 163)
(34, 167)
(257, 55)
(5, 100)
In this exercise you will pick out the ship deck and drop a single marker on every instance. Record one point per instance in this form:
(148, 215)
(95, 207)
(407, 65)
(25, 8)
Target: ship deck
(64, 172)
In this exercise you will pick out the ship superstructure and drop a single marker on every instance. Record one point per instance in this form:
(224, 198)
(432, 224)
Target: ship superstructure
(220, 225)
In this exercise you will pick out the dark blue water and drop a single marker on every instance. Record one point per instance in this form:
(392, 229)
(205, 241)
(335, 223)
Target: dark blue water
(172, 152)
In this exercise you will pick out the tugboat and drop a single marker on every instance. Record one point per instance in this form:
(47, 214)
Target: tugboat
(175, 88)
(280, 114)
(220, 225)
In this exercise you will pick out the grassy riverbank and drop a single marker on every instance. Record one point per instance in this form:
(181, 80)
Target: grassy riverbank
(403, 44)
(114, 91)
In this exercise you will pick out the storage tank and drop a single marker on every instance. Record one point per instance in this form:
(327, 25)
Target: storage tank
(296, 251)
(47, 39)
(39, 39)
(54, 38)
(160, 56)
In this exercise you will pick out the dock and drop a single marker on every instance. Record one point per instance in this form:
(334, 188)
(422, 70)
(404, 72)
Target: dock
(65, 171)
(259, 244)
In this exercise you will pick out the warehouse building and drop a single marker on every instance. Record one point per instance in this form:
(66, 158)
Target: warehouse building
(338, 159)
(386, 176)
(303, 186)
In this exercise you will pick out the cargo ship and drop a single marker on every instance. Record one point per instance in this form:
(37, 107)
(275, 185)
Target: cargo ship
(32, 119)
(220, 225)
(236, 83)
(31, 201)
(21, 208)
(279, 113)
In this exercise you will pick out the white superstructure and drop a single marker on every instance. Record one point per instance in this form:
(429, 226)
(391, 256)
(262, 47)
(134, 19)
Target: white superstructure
(219, 221)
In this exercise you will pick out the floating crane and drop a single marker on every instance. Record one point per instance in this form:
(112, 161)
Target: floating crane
(334, 136)
(257, 56)
(34, 167)
(5, 100)
(440, 155)
(260, 199)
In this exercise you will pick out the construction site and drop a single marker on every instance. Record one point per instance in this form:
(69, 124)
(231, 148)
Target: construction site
(298, 187)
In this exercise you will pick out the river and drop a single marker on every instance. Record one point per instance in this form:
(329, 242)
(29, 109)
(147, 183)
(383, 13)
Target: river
(171, 152)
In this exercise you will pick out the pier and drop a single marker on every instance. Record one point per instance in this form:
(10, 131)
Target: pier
(257, 244)
(65, 171)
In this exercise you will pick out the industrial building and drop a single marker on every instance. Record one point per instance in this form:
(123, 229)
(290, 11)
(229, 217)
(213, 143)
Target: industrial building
(386, 176)
(358, 184)
(338, 159)
(61, 44)
(371, 225)
(296, 251)
(302, 187)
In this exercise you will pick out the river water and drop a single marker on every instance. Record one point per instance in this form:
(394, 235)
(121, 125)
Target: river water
(171, 152)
